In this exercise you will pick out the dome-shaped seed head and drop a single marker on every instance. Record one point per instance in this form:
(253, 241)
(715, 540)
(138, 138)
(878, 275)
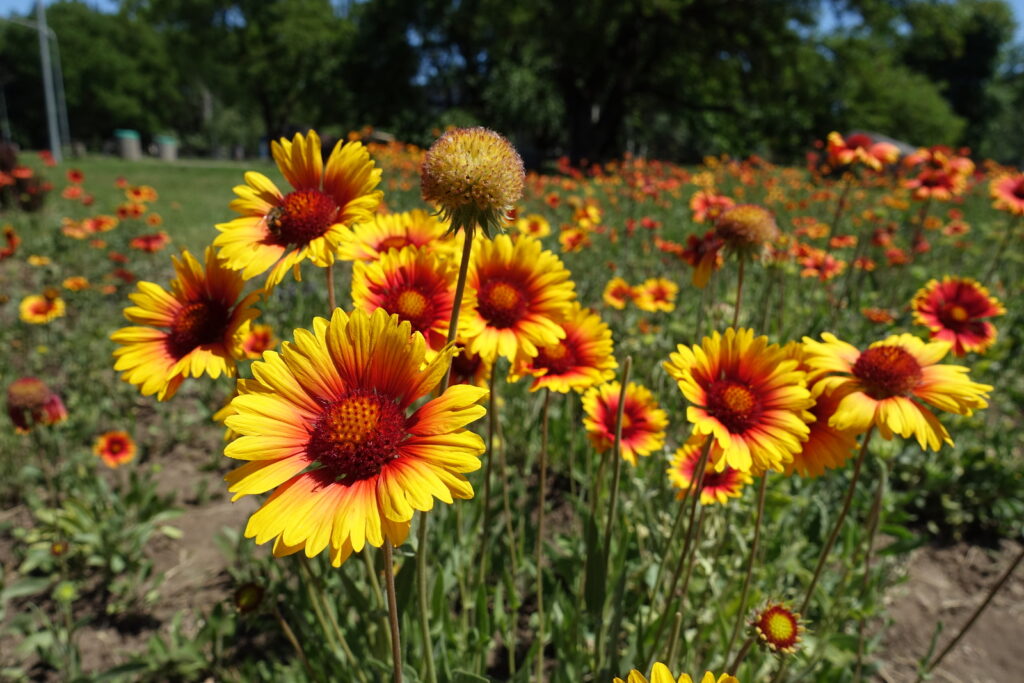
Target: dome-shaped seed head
(746, 226)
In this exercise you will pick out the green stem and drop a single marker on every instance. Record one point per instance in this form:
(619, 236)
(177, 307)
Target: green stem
(492, 417)
(542, 495)
(745, 592)
(847, 499)
(290, 635)
(740, 656)
(389, 581)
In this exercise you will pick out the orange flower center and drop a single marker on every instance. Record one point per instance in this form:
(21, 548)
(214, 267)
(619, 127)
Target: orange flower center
(501, 304)
(115, 446)
(954, 313)
(733, 404)
(778, 627)
(411, 304)
(357, 435)
(557, 360)
(197, 324)
(301, 217)
(393, 242)
(887, 371)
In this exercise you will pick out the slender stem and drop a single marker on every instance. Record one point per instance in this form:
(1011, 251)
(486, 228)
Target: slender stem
(874, 518)
(396, 645)
(745, 592)
(492, 417)
(330, 289)
(847, 499)
(977, 613)
(739, 292)
(606, 546)
(422, 584)
(290, 635)
(371, 573)
(696, 486)
(673, 639)
(740, 656)
(332, 631)
(542, 495)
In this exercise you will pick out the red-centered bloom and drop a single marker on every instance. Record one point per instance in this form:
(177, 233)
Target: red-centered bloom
(257, 339)
(469, 367)
(40, 309)
(151, 243)
(114, 448)
(955, 311)
(889, 384)
(939, 184)
(705, 255)
(656, 294)
(195, 328)
(11, 240)
(708, 206)
(326, 423)
(746, 393)
(414, 284)
(778, 628)
(522, 291)
(821, 265)
(30, 402)
(416, 228)
(1008, 193)
(576, 362)
(859, 148)
(278, 231)
(617, 293)
(75, 176)
(717, 487)
(643, 422)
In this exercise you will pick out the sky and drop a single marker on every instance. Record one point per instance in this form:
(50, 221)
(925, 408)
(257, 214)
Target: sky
(23, 6)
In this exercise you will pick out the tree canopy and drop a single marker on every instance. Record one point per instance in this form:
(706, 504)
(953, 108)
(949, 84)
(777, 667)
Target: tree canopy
(669, 78)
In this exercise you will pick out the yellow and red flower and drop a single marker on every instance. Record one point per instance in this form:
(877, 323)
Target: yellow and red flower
(708, 205)
(859, 148)
(196, 328)
(150, 243)
(717, 486)
(39, 309)
(1007, 192)
(656, 294)
(778, 628)
(30, 402)
(748, 394)
(534, 225)
(578, 361)
(415, 228)
(522, 291)
(955, 311)
(257, 339)
(114, 448)
(643, 422)
(705, 255)
(617, 293)
(469, 367)
(75, 283)
(325, 423)
(662, 674)
(414, 284)
(889, 384)
(278, 231)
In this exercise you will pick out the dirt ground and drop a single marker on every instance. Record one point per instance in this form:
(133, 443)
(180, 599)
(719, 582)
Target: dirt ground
(947, 584)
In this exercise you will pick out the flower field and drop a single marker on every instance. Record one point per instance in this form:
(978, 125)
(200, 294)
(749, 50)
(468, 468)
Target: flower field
(374, 412)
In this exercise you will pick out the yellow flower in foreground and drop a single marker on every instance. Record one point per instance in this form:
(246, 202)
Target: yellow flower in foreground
(888, 384)
(278, 231)
(662, 674)
(748, 395)
(197, 328)
(326, 423)
(40, 309)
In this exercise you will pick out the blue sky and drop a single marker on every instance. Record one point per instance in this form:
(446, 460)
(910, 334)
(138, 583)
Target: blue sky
(22, 6)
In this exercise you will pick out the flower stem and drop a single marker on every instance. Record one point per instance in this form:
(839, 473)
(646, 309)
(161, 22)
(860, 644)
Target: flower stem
(491, 426)
(696, 486)
(874, 517)
(847, 499)
(542, 495)
(745, 592)
(290, 635)
(606, 546)
(389, 580)
(974, 617)
(330, 289)
(740, 656)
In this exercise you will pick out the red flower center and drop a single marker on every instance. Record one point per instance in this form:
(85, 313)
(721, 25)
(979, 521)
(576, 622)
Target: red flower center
(411, 305)
(953, 314)
(1018, 189)
(115, 446)
(197, 324)
(558, 359)
(301, 217)
(357, 435)
(887, 371)
(393, 242)
(465, 366)
(501, 304)
(778, 627)
(733, 404)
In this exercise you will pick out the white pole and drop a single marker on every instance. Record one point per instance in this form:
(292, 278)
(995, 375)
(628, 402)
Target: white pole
(51, 103)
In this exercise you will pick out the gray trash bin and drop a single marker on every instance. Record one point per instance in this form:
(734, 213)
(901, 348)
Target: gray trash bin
(128, 144)
(167, 148)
